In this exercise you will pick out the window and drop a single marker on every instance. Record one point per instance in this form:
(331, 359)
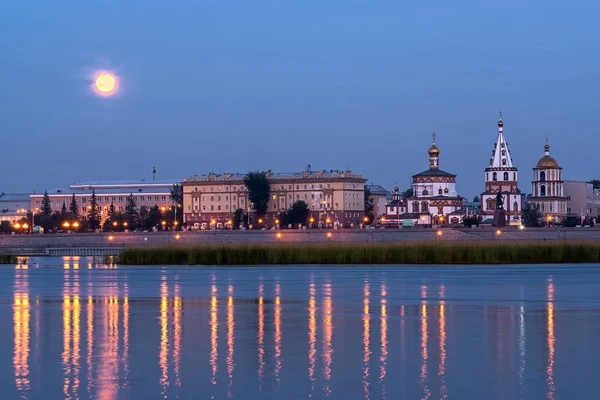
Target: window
(212, 198)
(514, 176)
(106, 199)
(543, 190)
(494, 176)
(37, 202)
(84, 200)
(218, 198)
(504, 161)
(155, 198)
(506, 176)
(196, 189)
(121, 208)
(440, 191)
(290, 187)
(212, 208)
(120, 199)
(543, 176)
(234, 198)
(218, 208)
(164, 198)
(297, 187)
(83, 209)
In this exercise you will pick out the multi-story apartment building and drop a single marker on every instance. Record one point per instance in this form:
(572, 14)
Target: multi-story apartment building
(146, 193)
(333, 196)
(583, 201)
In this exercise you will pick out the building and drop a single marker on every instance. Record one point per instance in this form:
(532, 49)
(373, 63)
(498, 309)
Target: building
(379, 196)
(501, 176)
(335, 198)
(434, 194)
(149, 194)
(13, 206)
(583, 201)
(547, 191)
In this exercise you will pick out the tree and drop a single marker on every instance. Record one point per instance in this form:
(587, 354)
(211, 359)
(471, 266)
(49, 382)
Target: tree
(63, 210)
(93, 215)
(131, 212)
(259, 191)
(111, 210)
(596, 183)
(531, 215)
(238, 218)
(476, 199)
(470, 220)
(73, 207)
(177, 194)
(143, 214)
(153, 218)
(369, 204)
(407, 193)
(5, 227)
(297, 214)
(46, 205)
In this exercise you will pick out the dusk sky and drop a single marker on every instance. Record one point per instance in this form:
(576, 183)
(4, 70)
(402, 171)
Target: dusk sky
(232, 86)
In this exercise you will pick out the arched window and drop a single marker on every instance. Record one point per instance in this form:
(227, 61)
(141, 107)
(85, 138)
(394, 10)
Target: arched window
(516, 207)
(504, 161)
(506, 176)
(425, 192)
(543, 190)
(494, 176)
(514, 176)
(424, 206)
(415, 206)
(543, 176)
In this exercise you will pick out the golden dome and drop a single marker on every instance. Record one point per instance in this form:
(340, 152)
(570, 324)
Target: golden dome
(433, 150)
(547, 162)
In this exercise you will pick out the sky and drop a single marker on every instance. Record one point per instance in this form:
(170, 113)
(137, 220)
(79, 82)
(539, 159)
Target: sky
(233, 86)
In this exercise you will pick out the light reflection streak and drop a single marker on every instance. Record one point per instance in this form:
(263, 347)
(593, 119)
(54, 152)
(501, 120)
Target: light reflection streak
(177, 335)
(90, 341)
(424, 337)
(163, 355)
(327, 337)
(75, 358)
(214, 339)
(126, 334)
(277, 337)
(109, 366)
(312, 335)
(261, 334)
(366, 339)
(21, 319)
(66, 354)
(442, 367)
(551, 341)
(384, 340)
(230, 339)
(522, 342)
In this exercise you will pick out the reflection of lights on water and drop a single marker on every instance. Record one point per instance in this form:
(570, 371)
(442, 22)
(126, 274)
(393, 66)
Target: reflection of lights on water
(312, 334)
(21, 321)
(366, 339)
(261, 334)
(424, 337)
(177, 335)
(327, 336)
(214, 339)
(90, 342)
(164, 340)
(551, 342)
(230, 339)
(66, 341)
(384, 340)
(277, 330)
(522, 343)
(442, 367)
(126, 332)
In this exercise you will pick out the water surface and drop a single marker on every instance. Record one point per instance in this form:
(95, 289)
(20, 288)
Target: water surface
(76, 329)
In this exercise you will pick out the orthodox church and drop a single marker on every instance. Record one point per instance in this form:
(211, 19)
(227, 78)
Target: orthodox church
(547, 188)
(434, 200)
(501, 176)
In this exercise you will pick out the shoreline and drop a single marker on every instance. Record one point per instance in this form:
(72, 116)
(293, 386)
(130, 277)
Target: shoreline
(413, 253)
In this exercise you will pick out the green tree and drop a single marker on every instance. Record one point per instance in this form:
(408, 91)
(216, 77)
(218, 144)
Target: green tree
(73, 207)
(407, 193)
(596, 183)
(93, 215)
(238, 218)
(531, 215)
(153, 218)
(131, 212)
(259, 191)
(297, 214)
(5, 227)
(111, 210)
(143, 214)
(117, 218)
(471, 220)
(369, 205)
(476, 199)
(63, 210)
(177, 194)
(46, 209)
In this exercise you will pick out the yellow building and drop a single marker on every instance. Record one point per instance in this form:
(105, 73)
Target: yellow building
(335, 198)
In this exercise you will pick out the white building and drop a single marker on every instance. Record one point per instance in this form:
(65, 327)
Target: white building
(501, 176)
(434, 193)
(547, 190)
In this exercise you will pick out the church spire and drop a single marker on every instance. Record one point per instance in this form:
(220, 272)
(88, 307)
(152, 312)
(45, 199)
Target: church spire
(501, 154)
(434, 154)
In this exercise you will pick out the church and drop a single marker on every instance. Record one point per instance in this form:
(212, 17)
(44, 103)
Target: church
(434, 199)
(501, 177)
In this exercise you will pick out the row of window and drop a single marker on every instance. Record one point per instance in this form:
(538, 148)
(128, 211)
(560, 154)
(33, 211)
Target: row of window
(282, 187)
(119, 199)
(505, 176)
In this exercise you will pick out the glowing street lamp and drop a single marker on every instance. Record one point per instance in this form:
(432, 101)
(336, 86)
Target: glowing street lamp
(260, 220)
(440, 233)
(177, 237)
(163, 208)
(17, 226)
(111, 238)
(163, 223)
(75, 224)
(66, 224)
(278, 235)
(277, 221)
(115, 223)
(329, 235)
(366, 219)
(25, 226)
(311, 220)
(328, 220)
(125, 223)
(382, 219)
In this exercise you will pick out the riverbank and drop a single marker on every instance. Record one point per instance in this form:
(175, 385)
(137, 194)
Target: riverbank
(460, 252)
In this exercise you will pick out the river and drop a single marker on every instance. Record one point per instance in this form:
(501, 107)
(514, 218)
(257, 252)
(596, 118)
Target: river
(77, 329)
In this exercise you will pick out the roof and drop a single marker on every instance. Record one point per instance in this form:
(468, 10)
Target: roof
(104, 191)
(125, 183)
(547, 162)
(309, 174)
(435, 172)
(501, 154)
(377, 189)
(14, 197)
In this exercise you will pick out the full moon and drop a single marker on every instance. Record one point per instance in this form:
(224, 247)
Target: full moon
(105, 83)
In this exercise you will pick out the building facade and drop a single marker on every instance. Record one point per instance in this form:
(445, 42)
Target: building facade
(501, 176)
(335, 198)
(583, 201)
(434, 193)
(13, 206)
(379, 196)
(547, 190)
(149, 194)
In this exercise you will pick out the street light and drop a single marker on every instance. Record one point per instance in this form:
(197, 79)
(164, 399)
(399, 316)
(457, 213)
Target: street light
(75, 224)
(66, 224)
(366, 219)
(260, 220)
(111, 237)
(278, 235)
(115, 223)
(440, 233)
(177, 237)
(25, 226)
